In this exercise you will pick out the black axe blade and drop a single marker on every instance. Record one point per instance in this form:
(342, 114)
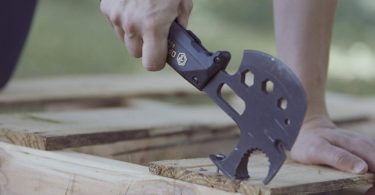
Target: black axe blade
(275, 106)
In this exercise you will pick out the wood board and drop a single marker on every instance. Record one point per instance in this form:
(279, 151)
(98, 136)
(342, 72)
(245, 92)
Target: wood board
(58, 130)
(293, 178)
(34, 172)
(178, 146)
(93, 87)
(88, 91)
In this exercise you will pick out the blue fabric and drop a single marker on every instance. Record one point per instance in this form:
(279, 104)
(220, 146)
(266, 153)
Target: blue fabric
(15, 20)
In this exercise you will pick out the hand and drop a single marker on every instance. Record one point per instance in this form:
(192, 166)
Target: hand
(143, 25)
(321, 142)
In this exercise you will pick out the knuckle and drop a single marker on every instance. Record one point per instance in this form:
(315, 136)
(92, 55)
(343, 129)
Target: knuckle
(314, 147)
(104, 7)
(299, 155)
(312, 151)
(151, 23)
(129, 25)
(340, 158)
(115, 19)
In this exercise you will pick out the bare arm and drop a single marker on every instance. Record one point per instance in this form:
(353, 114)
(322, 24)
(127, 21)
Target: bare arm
(303, 34)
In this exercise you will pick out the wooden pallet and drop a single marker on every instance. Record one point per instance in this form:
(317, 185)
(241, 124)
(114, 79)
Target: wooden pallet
(95, 89)
(293, 178)
(119, 139)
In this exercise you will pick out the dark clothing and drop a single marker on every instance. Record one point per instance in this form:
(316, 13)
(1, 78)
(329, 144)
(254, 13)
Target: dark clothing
(15, 20)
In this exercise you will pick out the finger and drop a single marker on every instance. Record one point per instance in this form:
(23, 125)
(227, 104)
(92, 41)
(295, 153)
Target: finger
(184, 12)
(360, 146)
(119, 32)
(109, 21)
(134, 45)
(104, 6)
(339, 158)
(154, 51)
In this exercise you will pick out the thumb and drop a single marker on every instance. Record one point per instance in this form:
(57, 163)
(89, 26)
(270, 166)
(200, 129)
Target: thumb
(340, 159)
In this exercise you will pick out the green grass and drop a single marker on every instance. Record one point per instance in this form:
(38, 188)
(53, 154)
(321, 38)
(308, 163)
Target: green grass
(72, 37)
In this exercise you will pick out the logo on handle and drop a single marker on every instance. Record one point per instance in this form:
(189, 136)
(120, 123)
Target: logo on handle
(181, 59)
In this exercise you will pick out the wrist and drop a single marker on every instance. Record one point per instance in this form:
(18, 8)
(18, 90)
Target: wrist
(317, 121)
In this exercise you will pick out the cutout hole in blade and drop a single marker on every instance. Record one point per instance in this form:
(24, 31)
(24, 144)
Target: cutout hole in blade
(261, 159)
(235, 101)
(287, 121)
(247, 78)
(267, 86)
(282, 103)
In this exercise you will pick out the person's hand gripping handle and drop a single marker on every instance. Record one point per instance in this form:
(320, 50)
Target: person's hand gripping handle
(190, 59)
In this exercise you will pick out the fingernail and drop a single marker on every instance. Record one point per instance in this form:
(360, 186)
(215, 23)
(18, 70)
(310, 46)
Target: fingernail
(359, 168)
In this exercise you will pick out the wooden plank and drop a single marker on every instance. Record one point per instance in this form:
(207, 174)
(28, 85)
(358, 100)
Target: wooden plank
(179, 146)
(87, 91)
(58, 130)
(293, 178)
(34, 172)
(93, 87)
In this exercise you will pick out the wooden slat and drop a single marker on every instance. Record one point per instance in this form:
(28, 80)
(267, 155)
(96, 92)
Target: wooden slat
(293, 178)
(109, 90)
(179, 146)
(93, 87)
(58, 130)
(34, 172)
(182, 146)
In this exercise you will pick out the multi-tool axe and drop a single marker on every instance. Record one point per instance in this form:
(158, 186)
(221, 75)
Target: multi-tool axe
(275, 102)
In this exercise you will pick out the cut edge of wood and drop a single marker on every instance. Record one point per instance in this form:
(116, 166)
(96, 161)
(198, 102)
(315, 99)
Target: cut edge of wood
(45, 173)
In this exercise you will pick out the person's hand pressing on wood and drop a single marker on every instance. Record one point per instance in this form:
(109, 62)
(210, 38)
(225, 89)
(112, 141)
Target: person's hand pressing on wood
(303, 35)
(143, 25)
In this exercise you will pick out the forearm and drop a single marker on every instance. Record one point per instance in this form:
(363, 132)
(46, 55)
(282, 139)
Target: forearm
(303, 36)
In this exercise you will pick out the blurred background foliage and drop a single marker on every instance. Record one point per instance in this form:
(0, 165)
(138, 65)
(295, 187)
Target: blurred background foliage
(72, 37)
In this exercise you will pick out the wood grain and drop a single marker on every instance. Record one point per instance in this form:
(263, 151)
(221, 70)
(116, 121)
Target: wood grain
(293, 178)
(34, 172)
(58, 130)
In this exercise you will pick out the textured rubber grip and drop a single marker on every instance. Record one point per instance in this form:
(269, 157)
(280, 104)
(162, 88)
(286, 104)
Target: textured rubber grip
(190, 59)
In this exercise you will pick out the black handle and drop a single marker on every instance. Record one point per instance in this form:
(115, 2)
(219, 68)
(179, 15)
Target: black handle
(190, 59)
